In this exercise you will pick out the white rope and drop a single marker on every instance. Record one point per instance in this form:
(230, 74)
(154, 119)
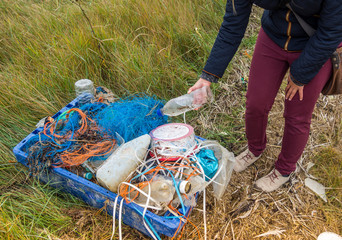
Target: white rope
(144, 213)
(120, 215)
(204, 216)
(151, 163)
(148, 196)
(114, 210)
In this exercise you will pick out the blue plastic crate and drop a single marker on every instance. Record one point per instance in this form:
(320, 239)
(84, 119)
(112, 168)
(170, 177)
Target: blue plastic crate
(97, 196)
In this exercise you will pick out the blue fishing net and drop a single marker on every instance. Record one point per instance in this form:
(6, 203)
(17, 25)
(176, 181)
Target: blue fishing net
(131, 117)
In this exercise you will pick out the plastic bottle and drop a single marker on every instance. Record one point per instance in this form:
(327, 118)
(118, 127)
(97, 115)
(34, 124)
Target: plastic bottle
(82, 172)
(182, 185)
(84, 89)
(87, 175)
(122, 162)
(187, 102)
(161, 191)
(163, 188)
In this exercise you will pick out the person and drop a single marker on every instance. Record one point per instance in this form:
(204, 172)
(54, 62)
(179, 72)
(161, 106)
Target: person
(282, 44)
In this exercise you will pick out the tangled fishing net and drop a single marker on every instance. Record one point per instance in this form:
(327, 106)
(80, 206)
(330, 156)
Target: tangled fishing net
(131, 117)
(91, 132)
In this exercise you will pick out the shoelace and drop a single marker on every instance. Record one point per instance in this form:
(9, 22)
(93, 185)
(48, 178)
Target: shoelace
(247, 157)
(273, 176)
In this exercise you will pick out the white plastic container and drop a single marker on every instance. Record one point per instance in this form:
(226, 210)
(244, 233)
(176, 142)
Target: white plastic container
(187, 102)
(122, 162)
(84, 86)
(172, 140)
(162, 191)
(85, 90)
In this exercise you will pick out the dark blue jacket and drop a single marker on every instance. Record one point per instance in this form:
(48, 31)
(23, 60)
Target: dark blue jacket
(282, 27)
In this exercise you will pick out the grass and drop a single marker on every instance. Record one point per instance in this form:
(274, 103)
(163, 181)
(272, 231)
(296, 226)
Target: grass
(328, 169)
(158, 47)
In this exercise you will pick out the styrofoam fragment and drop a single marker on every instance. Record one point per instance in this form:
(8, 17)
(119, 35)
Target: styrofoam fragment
(315, 186)
(329, 236)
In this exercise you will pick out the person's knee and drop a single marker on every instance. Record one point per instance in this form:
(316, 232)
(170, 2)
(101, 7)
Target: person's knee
(297, 124)
(256, 107)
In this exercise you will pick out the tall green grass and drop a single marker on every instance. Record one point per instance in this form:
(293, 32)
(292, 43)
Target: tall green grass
(157, 47)
(153, 46)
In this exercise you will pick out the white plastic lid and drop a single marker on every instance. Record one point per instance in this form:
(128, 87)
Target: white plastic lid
(172, 131)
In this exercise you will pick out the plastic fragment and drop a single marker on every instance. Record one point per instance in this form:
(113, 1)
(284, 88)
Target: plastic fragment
(315, 186)
(276, 232)
(208, 161)
(329, 236)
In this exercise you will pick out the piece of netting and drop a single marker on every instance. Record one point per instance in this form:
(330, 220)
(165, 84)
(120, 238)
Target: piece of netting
(131, 117)
(91, 132)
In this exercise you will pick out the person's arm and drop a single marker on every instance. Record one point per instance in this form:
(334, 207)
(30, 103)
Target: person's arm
(228, 39)
(321, 45)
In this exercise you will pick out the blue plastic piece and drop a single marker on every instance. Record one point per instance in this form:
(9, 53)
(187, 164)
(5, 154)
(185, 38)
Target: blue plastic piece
(208, 161)
(95, 195)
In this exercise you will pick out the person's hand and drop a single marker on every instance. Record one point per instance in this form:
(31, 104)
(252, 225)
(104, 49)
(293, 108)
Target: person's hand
(201, 97)
(291, 90)
(199, 84)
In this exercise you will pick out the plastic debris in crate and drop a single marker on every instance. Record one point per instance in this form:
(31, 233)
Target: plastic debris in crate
(177, 177)
(90, 132)
(169, 184)
(131, 117)
(69, 140)
(92, 193)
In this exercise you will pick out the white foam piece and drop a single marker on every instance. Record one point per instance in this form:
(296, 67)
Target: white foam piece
(315, 186)
(329, 236)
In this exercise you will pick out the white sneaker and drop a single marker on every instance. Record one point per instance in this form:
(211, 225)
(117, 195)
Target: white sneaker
(244, 160)
(271, 181)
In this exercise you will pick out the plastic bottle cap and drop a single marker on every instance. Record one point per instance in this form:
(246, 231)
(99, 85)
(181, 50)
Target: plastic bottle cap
(88, 175)
(159, 112)
(184, 187)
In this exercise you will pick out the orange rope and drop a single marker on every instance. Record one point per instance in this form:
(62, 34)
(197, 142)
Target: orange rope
(180, 223)
(81, 130)
(86, 151)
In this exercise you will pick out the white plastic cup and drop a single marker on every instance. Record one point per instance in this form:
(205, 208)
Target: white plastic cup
(84, 86)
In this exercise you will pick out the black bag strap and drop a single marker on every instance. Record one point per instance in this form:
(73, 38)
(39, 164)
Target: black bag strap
(307, 28)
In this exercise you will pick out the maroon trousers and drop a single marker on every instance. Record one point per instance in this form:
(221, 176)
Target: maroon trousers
(269, 65)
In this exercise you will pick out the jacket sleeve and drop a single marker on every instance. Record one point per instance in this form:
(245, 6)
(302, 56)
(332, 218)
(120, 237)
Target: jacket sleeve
(321, 45)
(229, 37)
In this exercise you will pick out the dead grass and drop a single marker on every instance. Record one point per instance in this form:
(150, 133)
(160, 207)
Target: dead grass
(293, 212)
